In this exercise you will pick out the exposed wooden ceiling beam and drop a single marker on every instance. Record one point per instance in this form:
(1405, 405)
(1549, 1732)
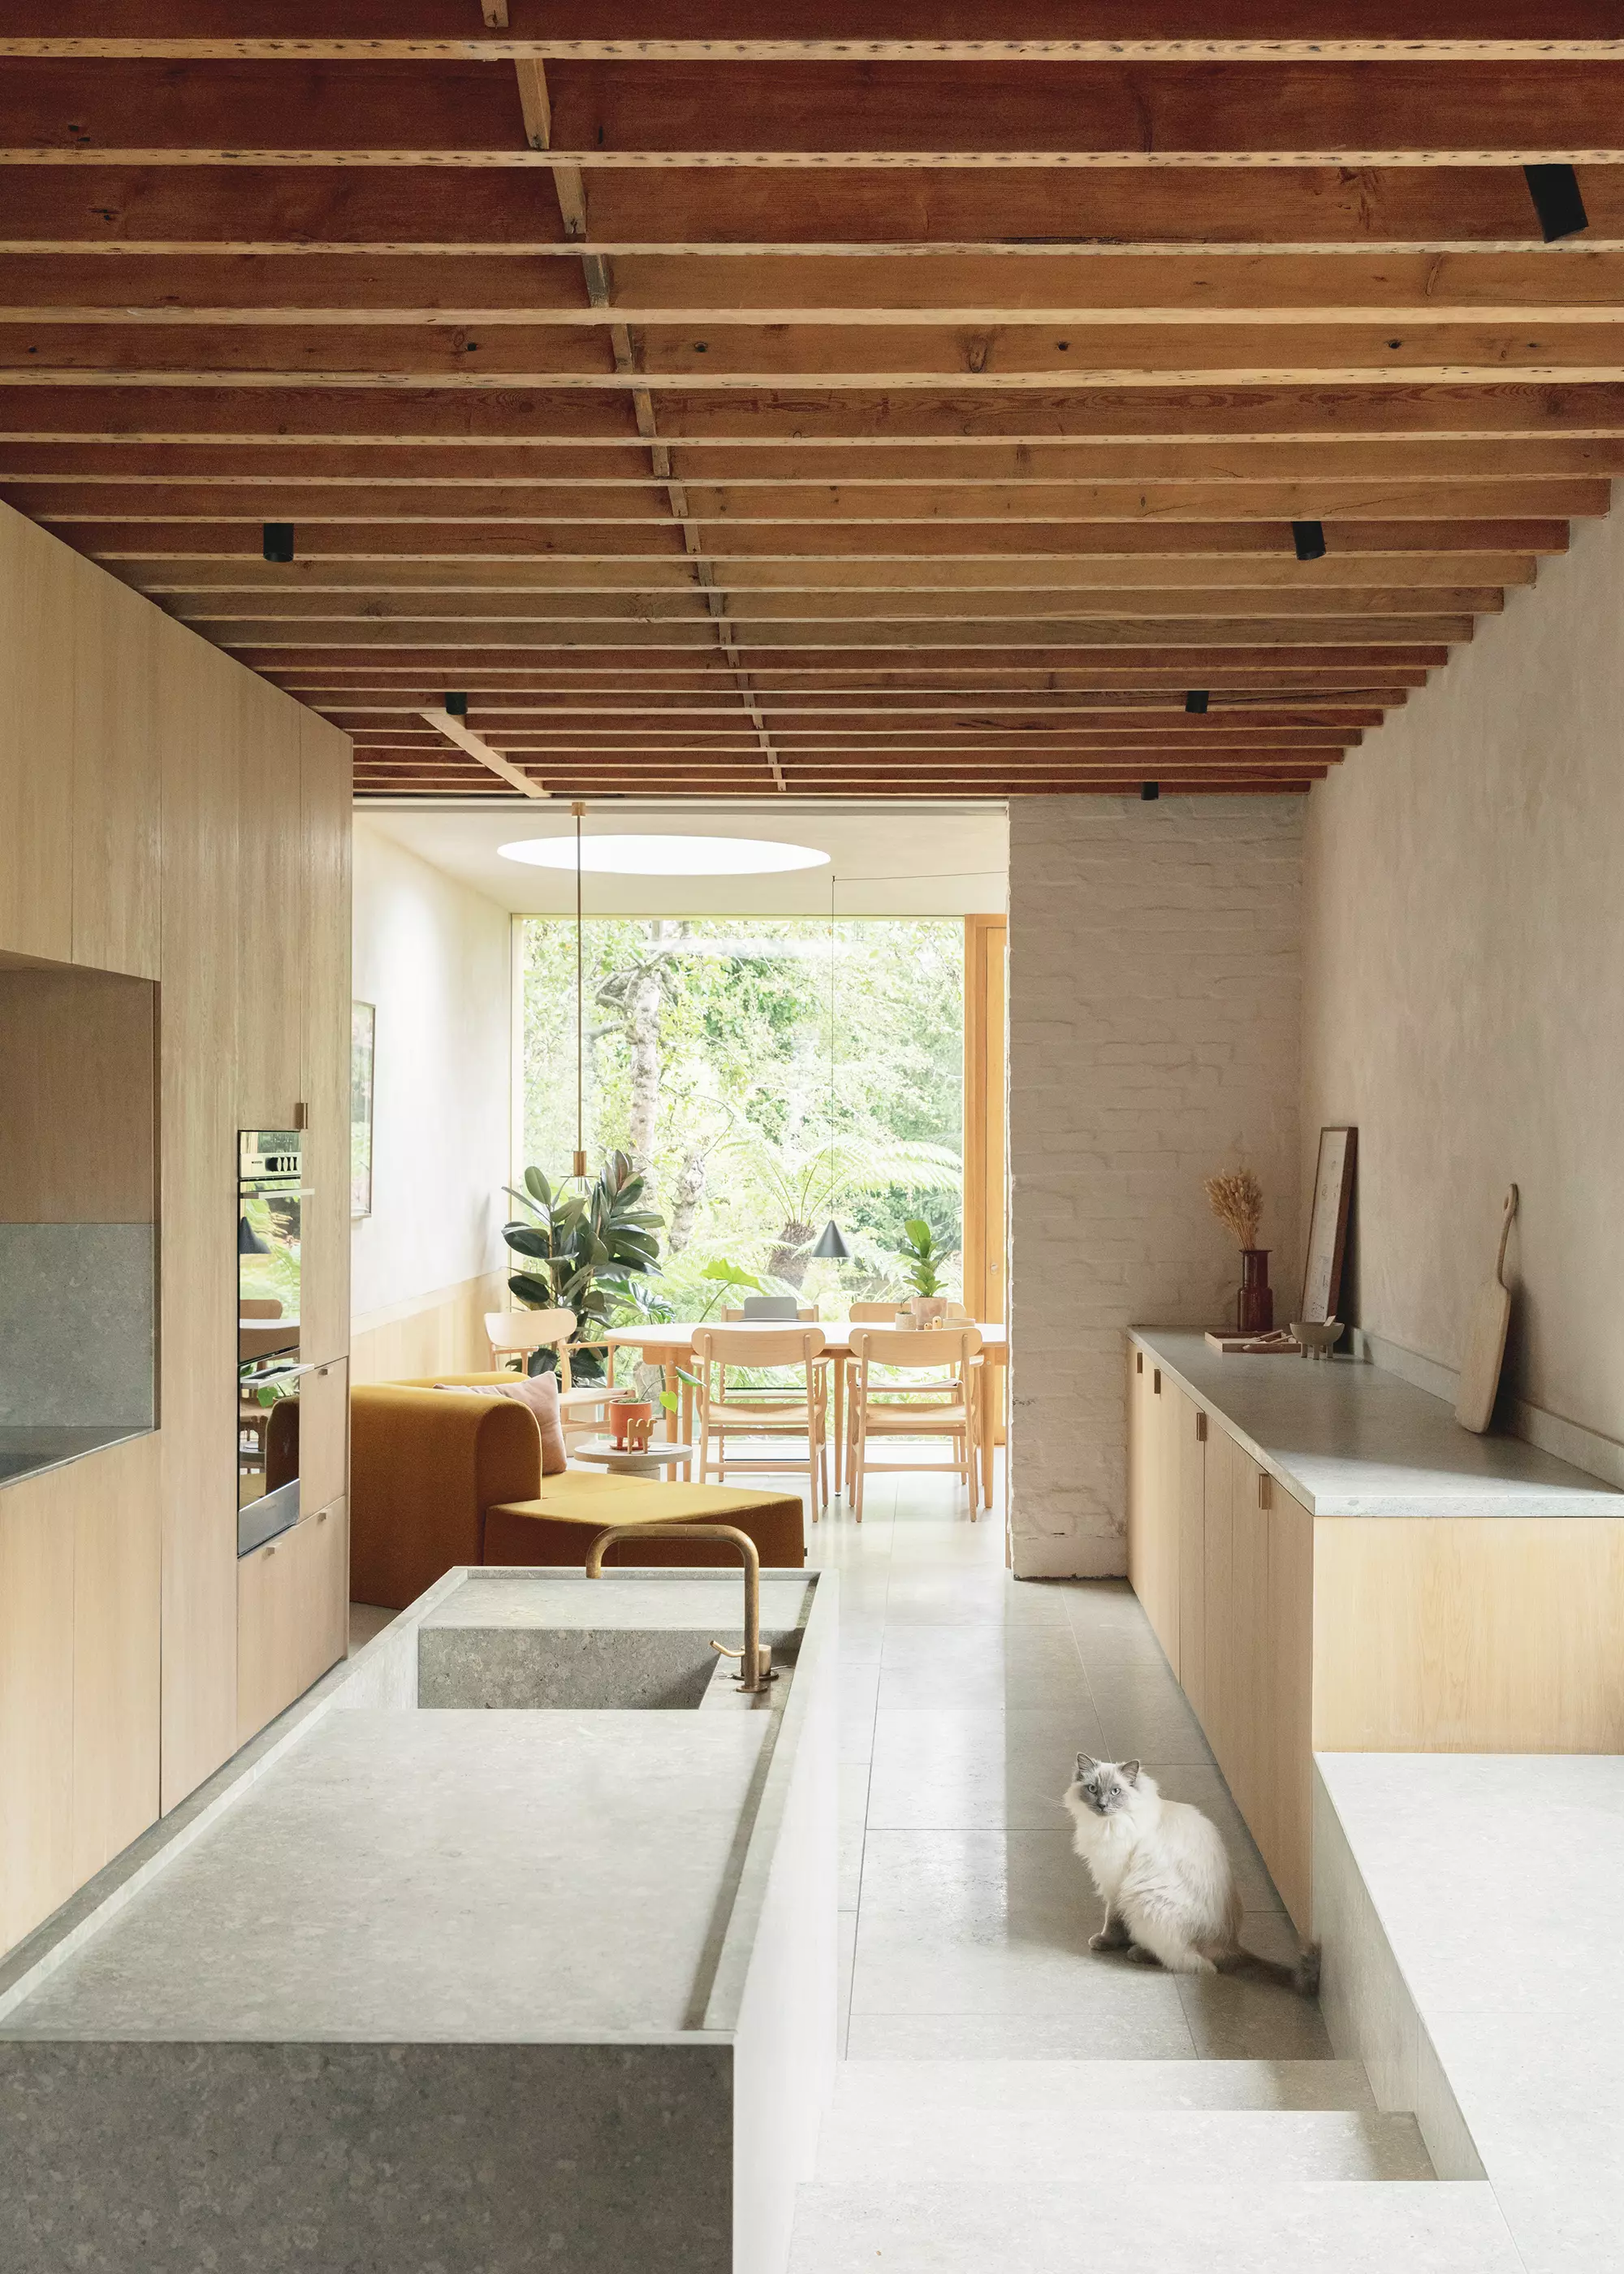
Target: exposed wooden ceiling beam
(786, 112)
(313, 211)
(800, 421)
(1358, 466)
(456, 730)
(973, 31)
(858, 357)
(1570, 285)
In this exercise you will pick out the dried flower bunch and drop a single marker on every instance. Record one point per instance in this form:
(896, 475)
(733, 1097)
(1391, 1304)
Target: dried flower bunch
(1236, 1198)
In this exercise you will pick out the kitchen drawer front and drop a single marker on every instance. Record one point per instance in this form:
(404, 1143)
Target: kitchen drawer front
(292, 1615)
(324, 1436)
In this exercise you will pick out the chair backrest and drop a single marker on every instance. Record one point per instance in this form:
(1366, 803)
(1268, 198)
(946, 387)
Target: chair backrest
(928, 1349)
(756, 1307)
(258, 1307)
(757, 1346)
(957, 1313)
(888, 1312)
(527, 1331)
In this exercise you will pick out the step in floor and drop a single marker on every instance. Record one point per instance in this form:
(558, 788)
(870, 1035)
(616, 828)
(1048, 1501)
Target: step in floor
(1100, 2220)
(1080, 2087)
(1139, 2148)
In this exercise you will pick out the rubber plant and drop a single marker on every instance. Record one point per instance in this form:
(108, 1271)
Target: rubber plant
(585, 1252)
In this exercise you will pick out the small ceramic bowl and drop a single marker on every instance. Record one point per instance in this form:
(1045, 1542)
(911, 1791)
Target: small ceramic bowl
(1317, 1341)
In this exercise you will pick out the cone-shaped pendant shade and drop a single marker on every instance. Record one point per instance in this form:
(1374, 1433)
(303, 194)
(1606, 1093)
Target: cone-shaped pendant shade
(248, 1240)
(831, 1244)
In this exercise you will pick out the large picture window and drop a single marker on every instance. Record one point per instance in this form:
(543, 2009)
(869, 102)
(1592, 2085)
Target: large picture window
(708, 1059)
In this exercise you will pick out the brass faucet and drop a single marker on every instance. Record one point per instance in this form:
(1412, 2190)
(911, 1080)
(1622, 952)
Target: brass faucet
(755, 1664)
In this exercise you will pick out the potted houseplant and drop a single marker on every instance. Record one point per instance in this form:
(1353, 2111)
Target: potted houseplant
(583, 1252)
(922, 1261)
(1236, 1198)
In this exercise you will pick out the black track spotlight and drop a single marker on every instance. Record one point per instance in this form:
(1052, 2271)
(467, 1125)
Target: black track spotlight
(1555, 193)
(1309, 539)
(1149, 792)
(279, 540)
(456, 706)
(1195, 703)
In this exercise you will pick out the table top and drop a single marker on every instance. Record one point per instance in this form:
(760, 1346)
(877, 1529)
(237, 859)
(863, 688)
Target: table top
(837, 1333)
(658, 1449)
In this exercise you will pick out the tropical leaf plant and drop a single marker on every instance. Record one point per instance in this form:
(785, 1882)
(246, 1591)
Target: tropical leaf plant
(796, 1188)
(589, 1252)
(921, 1260)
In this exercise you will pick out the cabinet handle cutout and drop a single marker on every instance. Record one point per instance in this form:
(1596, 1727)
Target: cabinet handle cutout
(1201, 1428)
(1139, 1361)
(1266, 1491)
(1156, 1383)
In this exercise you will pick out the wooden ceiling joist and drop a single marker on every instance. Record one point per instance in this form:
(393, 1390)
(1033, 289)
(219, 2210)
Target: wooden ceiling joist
(916, 399)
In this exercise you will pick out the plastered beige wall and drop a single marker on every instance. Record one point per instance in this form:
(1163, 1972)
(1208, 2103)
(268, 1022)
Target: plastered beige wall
(1464, 988)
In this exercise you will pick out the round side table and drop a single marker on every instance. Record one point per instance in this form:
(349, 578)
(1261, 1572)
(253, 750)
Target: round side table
(661, 1456)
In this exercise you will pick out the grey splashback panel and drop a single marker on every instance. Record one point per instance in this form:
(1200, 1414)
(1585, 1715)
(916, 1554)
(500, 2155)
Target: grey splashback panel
(78, 1325)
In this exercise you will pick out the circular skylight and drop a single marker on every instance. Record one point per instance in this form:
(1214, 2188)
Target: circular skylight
(664, 856)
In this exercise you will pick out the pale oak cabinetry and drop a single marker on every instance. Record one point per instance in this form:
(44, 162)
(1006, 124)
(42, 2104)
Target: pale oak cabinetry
(1379, 1581)
(1218, 1556)
(293, 1609)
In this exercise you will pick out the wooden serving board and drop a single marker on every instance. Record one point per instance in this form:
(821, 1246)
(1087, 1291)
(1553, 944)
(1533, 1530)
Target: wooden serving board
(1486, 1338)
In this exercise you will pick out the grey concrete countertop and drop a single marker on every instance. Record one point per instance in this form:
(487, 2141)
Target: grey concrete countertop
(27, 1450)
(454, 1875)
(1349, 1439)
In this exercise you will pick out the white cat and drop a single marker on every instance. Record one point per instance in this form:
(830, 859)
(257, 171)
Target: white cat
(1164, 1878)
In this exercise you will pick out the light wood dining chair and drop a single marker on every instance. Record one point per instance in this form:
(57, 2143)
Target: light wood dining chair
(887, 1409)
(582, 1412)
(743, 1412)
(746, 1314)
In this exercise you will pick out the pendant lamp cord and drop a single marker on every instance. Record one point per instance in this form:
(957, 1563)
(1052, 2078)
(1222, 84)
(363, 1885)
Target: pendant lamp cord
(578, 809)
(831, 1044)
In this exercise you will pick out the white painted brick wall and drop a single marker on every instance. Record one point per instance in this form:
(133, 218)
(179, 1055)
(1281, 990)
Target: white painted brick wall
(1154, 1036)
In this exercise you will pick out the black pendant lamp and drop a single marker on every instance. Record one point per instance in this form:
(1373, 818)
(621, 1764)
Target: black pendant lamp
(831, 1246)
(248, 1240)
(579, 1170)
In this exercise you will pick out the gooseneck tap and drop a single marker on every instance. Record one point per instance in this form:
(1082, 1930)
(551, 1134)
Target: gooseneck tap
(755, 1664)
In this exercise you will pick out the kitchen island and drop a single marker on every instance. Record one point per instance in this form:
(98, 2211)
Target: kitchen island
(1331, 1564)
(517, 1950)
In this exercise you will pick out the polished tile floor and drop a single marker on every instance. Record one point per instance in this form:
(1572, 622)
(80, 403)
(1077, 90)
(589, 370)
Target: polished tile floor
(966, 1695)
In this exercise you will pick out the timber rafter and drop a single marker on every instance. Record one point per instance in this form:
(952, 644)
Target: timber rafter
(913, 398)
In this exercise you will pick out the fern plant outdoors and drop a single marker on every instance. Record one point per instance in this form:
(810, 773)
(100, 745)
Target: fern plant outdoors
(583, 1252)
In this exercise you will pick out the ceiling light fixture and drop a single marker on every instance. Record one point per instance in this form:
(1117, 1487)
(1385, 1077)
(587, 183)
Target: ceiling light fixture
(1557, 201)
(664, 856)
(1309, 539)
(277, 540)
(1149, 792)
(1195, 701)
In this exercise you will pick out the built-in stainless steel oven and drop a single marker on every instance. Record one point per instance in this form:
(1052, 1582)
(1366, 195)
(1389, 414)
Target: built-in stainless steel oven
(269, 1214)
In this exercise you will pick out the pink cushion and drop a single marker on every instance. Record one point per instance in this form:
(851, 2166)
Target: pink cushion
(540, 1393)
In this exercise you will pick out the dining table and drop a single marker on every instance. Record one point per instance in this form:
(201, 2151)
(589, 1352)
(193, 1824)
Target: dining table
(670, 1344)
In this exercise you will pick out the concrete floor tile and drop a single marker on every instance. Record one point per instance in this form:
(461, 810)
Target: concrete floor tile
(959, 1768)
(924, 1594)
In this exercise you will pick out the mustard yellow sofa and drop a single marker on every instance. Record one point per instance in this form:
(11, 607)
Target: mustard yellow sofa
(437, 1482)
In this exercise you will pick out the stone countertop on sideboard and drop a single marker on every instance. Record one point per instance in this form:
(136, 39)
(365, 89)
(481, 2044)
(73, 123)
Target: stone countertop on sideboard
(1347, 1438)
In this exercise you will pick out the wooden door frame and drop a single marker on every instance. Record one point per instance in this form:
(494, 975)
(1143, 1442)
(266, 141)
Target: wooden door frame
(986, 1207)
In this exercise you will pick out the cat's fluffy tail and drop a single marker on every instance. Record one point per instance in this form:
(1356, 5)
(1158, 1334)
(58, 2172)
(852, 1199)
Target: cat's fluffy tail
(1302, 1974)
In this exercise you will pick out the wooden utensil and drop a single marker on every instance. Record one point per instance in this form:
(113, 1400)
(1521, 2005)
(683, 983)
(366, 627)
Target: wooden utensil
(1486, 1338)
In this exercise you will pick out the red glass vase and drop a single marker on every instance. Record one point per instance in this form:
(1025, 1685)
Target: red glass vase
(1254, 1300)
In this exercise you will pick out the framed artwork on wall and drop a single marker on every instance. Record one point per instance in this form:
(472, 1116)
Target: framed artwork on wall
(1328, 1226)
(362, 1028)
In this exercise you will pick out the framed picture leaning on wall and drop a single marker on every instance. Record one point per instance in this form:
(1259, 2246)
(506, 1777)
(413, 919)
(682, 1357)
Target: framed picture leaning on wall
(1328, 1226)
(363, 1029)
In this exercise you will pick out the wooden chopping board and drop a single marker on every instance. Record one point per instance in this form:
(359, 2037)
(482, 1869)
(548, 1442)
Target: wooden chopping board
(1486, 1338)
